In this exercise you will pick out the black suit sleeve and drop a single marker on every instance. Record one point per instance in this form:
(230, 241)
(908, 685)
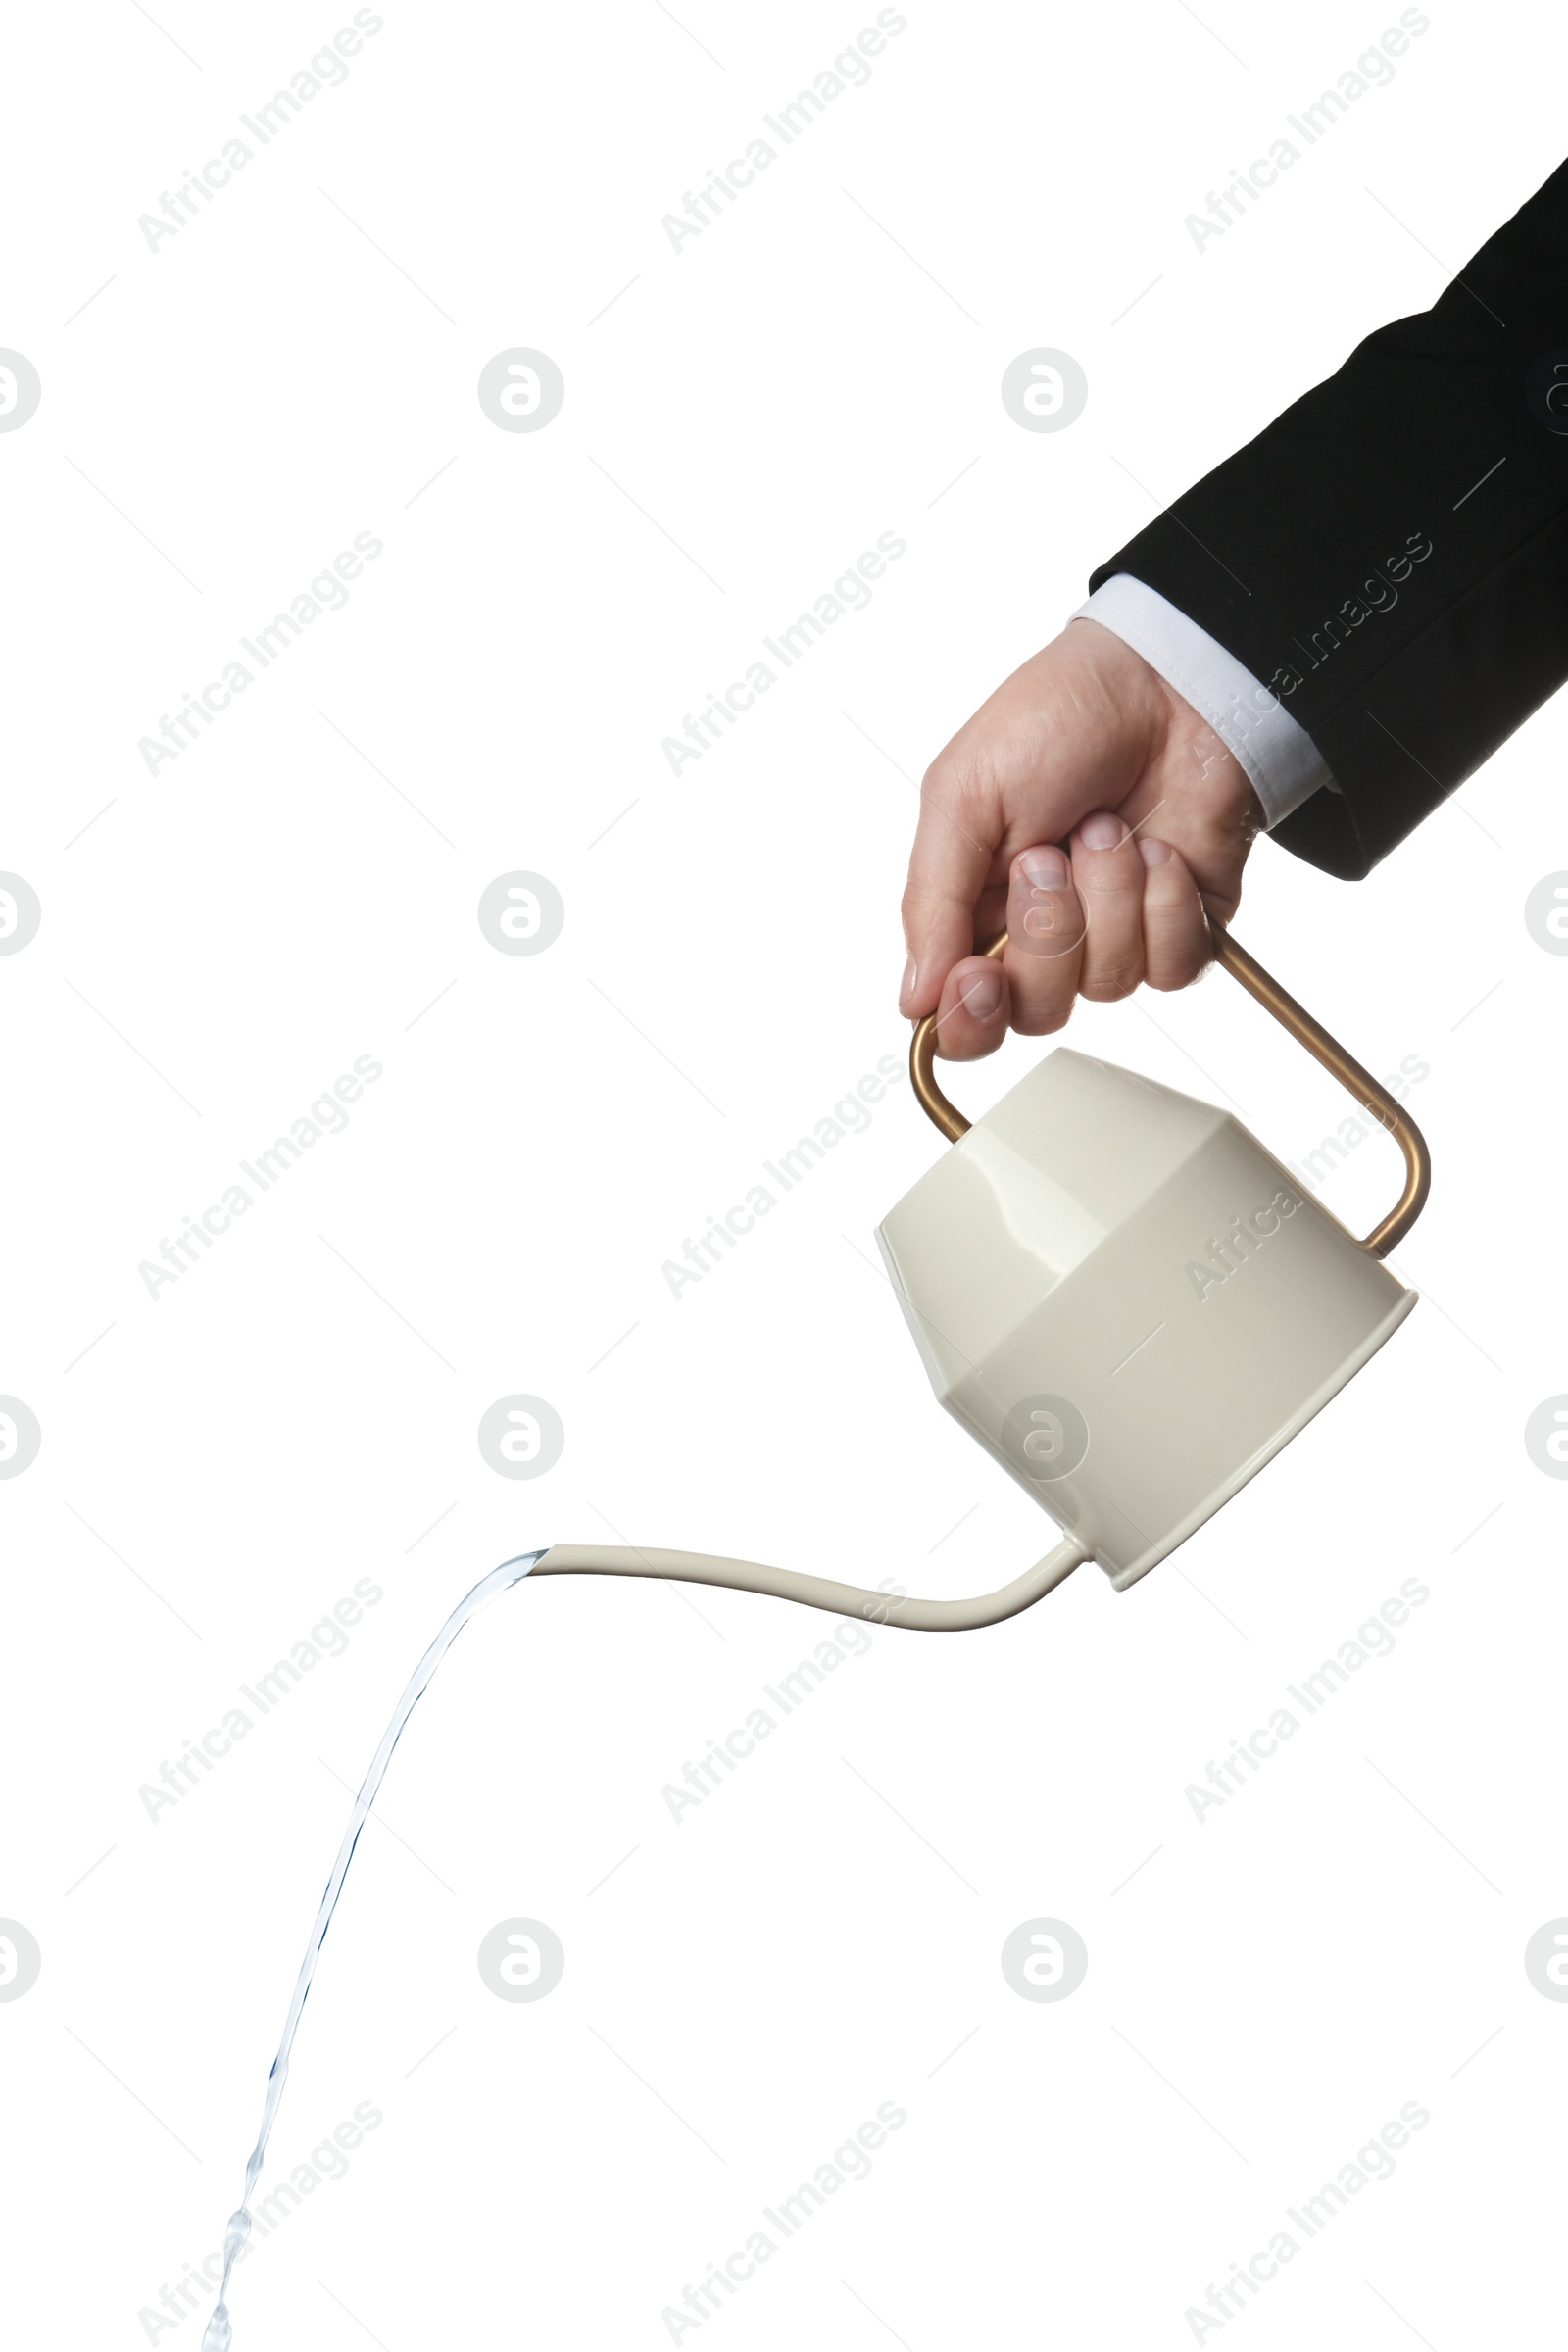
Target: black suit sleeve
(1391, 556)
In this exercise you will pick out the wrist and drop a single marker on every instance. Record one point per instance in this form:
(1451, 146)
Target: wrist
(1140, 705)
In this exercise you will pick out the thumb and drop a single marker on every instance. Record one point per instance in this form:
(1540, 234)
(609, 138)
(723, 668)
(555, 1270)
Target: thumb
(953, 854)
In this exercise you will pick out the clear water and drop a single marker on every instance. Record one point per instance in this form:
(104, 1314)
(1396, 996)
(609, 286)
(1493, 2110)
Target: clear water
(220, 2333)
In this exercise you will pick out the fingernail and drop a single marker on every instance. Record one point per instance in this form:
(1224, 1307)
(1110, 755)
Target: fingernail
(1102, 831)
(1045, 868)
(1154, 852)
(981, 999)
(907, 984)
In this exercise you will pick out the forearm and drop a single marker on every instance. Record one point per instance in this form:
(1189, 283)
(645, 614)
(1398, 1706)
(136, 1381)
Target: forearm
(1389, 557)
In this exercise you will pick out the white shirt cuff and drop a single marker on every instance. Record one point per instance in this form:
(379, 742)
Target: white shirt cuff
(1279, 757)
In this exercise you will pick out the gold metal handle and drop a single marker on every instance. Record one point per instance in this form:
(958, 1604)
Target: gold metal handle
(1374, 1100)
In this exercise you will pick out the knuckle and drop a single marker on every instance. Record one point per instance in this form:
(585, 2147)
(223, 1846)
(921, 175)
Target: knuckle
(1111, 886)
(949, 780)
(1109, 985)
(1038, 1020)
(1173, 972)
(921, 909)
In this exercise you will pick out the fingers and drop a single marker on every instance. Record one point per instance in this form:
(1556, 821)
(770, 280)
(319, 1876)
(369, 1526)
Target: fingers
(1073, 728)
(1124, 908)
(1082, 729)
(1109, 874)
(1045, 940)
(1176, 939)
(974, 1006)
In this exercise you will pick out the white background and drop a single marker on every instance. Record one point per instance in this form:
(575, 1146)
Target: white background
(299, 1410)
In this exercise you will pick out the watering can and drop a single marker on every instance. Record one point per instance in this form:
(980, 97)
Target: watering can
(1119, 1291)
(1126, 1297)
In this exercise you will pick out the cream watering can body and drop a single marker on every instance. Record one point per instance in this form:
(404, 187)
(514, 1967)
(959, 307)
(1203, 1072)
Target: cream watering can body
(1126, 1299)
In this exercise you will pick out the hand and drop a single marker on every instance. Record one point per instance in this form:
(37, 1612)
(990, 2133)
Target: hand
(1091, 811)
